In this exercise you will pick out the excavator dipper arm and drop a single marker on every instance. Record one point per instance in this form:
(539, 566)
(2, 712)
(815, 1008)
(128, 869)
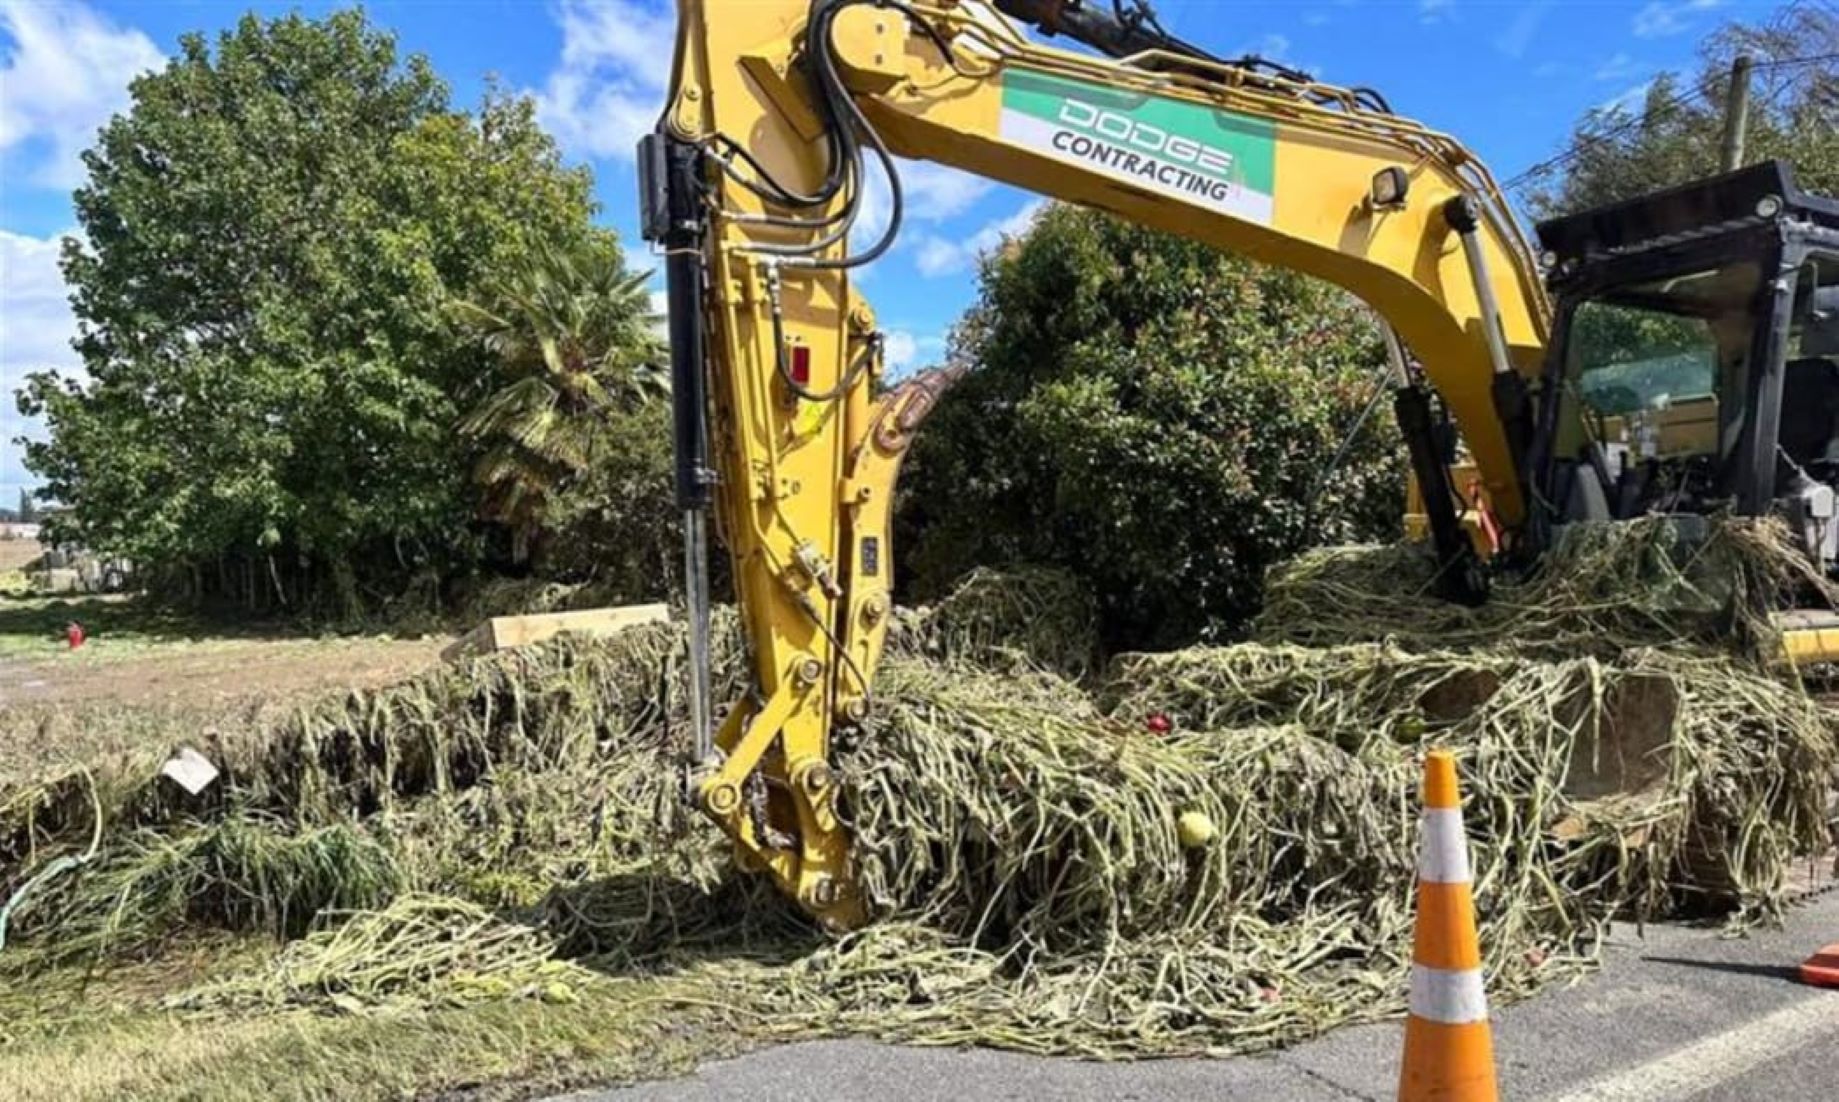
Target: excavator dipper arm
(788, 433)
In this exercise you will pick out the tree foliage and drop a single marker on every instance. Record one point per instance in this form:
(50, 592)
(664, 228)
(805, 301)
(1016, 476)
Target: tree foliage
(572, 330)
(1153, 416)
(1676, 133)
(269, 239)
(615, 526)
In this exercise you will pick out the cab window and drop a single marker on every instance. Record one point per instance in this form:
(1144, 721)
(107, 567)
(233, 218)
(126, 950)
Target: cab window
(1627, 359)
(1813, 327)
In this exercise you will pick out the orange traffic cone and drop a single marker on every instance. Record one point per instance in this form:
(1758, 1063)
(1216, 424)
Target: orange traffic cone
(1822, 969)
(1449, 1052)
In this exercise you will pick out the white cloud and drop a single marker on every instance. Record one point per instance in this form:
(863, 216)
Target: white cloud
(873, 211)
(1270, 47)
(900, 348)
(1432, 12)
(609, 87)
(1278, 48)
(660, 313)
(1659, 18)
(907, 351)
(1619, 67)
(35, 320)
(1315, 19)
(940, 256)
(35, 331)
(1628, 101)
(13, 474)
(67, 71)
(930, 193)
(1518, 34)
(935, 192)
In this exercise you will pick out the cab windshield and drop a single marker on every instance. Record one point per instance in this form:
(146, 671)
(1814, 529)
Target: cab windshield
(1630, 358)
(1660, 353)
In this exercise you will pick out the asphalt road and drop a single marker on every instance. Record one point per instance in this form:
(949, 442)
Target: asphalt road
(1678, 1014)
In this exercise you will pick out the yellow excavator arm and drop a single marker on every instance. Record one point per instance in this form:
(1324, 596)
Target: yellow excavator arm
(779, 112)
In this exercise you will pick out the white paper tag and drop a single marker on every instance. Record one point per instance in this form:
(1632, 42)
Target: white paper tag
(192, 770)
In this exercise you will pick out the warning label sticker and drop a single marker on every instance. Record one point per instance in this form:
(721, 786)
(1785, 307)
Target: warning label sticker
(1215, 159)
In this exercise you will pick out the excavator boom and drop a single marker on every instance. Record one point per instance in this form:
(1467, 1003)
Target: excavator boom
(789, 436)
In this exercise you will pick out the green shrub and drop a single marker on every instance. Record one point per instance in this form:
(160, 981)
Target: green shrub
(1153, 416)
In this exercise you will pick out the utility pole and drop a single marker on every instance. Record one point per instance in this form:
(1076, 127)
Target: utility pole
(1736, 111)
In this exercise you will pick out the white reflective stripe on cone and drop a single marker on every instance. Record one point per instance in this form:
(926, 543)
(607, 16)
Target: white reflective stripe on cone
(1449, 997)
(1443, 858)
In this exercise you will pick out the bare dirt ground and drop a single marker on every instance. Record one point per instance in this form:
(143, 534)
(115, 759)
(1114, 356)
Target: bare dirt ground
(199, 673)
(15, 554)
(144, 679)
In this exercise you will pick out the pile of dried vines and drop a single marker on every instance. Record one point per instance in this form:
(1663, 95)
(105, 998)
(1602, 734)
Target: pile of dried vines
(511, 827)
(1602, 590)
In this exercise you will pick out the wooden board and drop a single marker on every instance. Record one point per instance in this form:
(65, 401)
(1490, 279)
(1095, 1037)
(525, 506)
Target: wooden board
(504, 632)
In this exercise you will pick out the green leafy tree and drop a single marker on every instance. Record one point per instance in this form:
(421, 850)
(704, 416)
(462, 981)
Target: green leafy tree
(28, 510)
(1154, 416)
(270, 237)
(615, 527)
(1676, 133)
(573, 333)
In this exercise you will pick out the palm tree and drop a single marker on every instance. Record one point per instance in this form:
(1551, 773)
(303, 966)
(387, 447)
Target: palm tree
(575, 335)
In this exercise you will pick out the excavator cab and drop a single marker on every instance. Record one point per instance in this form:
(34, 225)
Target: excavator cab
(1694, 364)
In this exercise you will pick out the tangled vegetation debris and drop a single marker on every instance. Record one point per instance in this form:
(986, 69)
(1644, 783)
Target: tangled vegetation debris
(505, 838)
(1030, 617)
(1603, 589)
(419, 949)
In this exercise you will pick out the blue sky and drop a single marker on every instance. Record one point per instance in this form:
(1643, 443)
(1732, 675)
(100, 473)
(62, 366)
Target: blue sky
(1509, 78)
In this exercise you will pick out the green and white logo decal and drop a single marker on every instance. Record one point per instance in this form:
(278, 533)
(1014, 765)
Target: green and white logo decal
(1214, 159)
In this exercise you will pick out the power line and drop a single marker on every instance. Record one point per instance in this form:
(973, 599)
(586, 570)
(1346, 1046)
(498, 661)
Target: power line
(1703, 90)
(1578, 146)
